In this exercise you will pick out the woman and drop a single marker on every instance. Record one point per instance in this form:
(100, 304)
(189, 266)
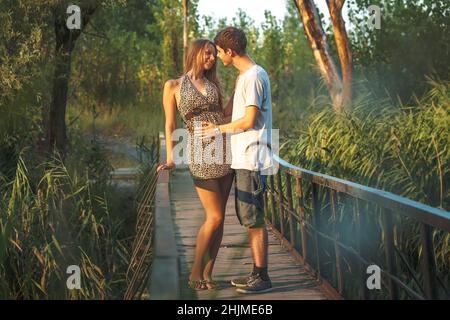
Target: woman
(196, 95)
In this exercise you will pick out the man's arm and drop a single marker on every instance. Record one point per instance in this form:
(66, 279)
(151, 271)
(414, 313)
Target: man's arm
(254, 101)
(246, 122)
(242, 124)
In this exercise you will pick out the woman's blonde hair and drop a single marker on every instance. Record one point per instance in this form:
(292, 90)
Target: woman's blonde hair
(195, 62)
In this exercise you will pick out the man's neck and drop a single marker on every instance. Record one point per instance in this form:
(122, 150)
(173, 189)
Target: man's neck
(243, 63)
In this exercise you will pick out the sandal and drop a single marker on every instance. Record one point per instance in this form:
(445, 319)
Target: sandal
(211, 284)
(197, 284)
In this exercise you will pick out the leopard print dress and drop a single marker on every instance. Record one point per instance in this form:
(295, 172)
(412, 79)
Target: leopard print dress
(207, 158)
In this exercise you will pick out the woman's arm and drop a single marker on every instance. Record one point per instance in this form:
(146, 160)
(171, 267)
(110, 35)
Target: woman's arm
(170, 109)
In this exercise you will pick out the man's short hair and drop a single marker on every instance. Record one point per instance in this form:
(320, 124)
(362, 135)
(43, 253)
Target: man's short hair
(232, 38)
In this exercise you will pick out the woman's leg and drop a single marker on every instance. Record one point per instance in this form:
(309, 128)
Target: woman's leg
(212, 204)
(225, 187)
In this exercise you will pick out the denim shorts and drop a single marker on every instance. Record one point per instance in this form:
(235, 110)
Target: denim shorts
(249, 191)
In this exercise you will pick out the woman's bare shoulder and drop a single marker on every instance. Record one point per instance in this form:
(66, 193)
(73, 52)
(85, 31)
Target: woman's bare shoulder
(172, 84)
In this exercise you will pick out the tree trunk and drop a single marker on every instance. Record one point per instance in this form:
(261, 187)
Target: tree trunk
(340, 93)
(343, 47)
(56, 138)
(56, 128)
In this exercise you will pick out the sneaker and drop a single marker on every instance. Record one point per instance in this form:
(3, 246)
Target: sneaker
(243, 281)
(257, 285)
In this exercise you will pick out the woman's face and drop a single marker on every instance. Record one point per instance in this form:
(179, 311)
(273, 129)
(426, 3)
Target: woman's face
(209, 56)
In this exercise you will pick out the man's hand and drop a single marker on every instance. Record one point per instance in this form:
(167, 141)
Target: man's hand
(207, 130)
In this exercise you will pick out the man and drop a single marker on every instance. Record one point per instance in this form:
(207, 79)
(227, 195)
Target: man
(251, 124)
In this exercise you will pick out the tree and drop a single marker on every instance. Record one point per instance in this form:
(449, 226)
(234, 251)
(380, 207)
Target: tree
(169, 17)
(24, 51)
(65, 43)
(339, 88)
(272, 52)
(412, 44)
(116, 62)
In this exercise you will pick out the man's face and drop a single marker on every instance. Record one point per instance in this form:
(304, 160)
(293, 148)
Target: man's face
(225, 56)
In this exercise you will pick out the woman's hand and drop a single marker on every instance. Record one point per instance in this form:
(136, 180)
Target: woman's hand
(165, 166)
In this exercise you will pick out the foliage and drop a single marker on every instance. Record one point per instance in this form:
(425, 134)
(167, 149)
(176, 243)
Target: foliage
(413, 43)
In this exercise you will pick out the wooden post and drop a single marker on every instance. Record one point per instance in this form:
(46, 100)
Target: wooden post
(428, 262)
(280, 202)
(301, 208)
(316, 223)
(292, 236)
(266, 205)
(337, 249)
(389, 251)
(272, 200)
(360, 247)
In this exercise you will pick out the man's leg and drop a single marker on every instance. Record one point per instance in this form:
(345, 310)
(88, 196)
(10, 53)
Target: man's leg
(250, 211)
(258, 239)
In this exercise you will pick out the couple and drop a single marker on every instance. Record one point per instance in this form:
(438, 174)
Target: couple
(197, 96)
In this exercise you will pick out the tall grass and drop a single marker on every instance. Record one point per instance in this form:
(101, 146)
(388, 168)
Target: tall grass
(52, 222)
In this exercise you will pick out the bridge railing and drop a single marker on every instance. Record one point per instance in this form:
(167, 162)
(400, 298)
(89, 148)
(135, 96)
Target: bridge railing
(339, 228)
(164, 278)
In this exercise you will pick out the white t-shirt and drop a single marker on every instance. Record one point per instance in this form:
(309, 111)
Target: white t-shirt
(249, 148)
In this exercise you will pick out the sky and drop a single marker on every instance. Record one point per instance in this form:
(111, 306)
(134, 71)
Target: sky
(253, 8)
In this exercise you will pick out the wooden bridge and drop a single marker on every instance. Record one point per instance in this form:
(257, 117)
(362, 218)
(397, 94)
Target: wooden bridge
(324, 233)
